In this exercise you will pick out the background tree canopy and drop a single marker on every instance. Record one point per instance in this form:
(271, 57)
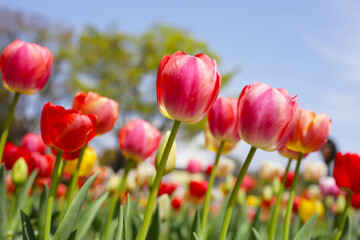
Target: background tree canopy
(114, 64)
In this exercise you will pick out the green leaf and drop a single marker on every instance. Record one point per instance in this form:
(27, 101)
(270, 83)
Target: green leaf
(195, 236)
(42, 211)
(127, 219)
(214, 230)
(69, 221)
(22, 199)
(347, 234)
(3, 218)
(306, 231)
(87, 216)
(196, 226)
(120, 226)
(256, 234)
(27, 229)
(154, 230)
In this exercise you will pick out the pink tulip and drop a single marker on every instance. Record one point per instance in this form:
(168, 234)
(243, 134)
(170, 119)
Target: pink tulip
(285, 152)
(222, 119)
(194, 166)
(25, 67)
(311, 132)
(138, 140)
(106, 109)
(328, 186)
(33, 143)
(266, 116)
(187, 86)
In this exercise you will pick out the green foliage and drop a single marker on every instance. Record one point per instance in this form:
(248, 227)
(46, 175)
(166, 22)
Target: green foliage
(195, 232)
(3, 219)
(154, 230)
(27, 229)
(119, 235)
(305, 232)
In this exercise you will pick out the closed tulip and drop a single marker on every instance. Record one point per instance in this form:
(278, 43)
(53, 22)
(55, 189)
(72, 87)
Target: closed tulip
(311, 132)
(87, 164)
(25, 67)
(313, 171)
(12, 153)
(44, 164)
(176, 203)
(213, 144)
(106, 109)
(267, 116)
(346, 171)
(307, 208)
(222, 119)
(328, 187)
(198, 188)
(138, 140)
(66, 130)
(194, 166)
(187, 86)
(33, 143)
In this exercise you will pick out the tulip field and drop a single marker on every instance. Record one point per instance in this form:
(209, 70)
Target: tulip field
(51, 186)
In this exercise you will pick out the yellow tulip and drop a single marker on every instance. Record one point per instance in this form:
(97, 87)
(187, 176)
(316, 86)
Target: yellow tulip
(87, 163)
(308, 207)
(252, 201)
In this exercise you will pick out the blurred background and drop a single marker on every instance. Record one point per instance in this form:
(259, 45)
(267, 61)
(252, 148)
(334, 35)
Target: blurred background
(311, 48)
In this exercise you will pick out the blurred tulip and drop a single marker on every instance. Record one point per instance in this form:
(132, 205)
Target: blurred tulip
(252, 201)
(313, 191)
(61, 190)
(286, 152)
(171, 162)
(270, 170)
(144, 172)
(311, 132)
(113, 183)
(328, 186)
(226, 166)
(248, 183)
(138, 140)
(164, 206)
(44, 163)
(20, 172)
(33, 143)
(66, 130)
(198, 188)
(10, 187)
(314, 170)
(176, 203)
(267, 116)
(355, 201)
(267, 193)
(166, 188)
(25, 67)
(296, 204)
(106, 109)
(289, 179)
(194, 165)
(307, 208)
(87, 164)
(346, 171)
(68, 155)
(187, 86)
(222, 119)
(213, 144)
(12, 153)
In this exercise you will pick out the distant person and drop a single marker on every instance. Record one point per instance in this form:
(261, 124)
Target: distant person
(329, 151)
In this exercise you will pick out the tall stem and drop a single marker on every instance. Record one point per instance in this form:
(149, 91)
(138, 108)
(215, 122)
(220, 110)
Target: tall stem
(208, 191)
(343, 217)
(234, 193)
(119, 190)
(52, 193)
(291, 199)
(155, 188)
(8, 124)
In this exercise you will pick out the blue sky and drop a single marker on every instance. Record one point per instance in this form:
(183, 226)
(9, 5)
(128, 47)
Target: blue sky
(311, 47)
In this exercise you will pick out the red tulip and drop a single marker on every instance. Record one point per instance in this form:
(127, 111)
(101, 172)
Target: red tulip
(266, 116)
(213, 144)
(222, 119)
(198, 188)
(44, 163)
(289, 179)
(176, 203)
(346, 171)
(209, 170)
(68, 155)
(33, 143)
(106, 109)
(167, 188)
(25, 67)
(311, 132)
(355, 201)
(138, 140)
(66, 130)
(194, 166)
(187, 86)
(248, 183)
(13, 153)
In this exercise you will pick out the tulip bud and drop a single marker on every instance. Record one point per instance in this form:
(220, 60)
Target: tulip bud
(241, 196)
(276, 183)
(229, 183)
(171, 162)
(252, 201)
(164, 206)
(307, 208)
(267, 193)
(19, 172)
(113, 183)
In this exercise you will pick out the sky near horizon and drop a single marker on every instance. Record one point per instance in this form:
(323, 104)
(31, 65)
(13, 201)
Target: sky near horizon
(311, 47)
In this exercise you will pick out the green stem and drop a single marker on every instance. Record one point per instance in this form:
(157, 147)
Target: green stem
(13, 206)
(275, 211)
(8, 124)
(61, 171)
(119, 190)
(291, 199)
(234, 193)
(52, 194)
(154, 190)
(208, 191)
(343, 217)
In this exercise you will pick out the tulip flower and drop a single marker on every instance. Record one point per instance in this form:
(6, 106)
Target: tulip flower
(20, 172)
(144, 172)
(307, 208)
(166, 188)
(194, 166)
(44, 164)
(13, 153)
(33, 143)
(313, 171)
(286, 152)
(176, 203)
(355, 201)
(106, 110)
(289, 179)
(270, 170)
(213, 144)
(198, 188)
(164, 206)
(86, 165)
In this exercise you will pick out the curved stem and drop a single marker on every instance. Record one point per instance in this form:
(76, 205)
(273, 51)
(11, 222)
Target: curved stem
(275, 211)
(234, 193)
(8, 124)
(208, 191)
(343, 217)
(52, 193)
(154, 190)
(291, 199)
(119, 190)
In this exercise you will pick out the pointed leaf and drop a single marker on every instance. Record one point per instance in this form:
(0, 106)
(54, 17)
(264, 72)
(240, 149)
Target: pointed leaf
(3, 218)
(196, 226)
(256, 234)
(42, 211)
(69, 221)
(127, 219)
(306, 231)
(215, 228)
(27, 229)
(119, 229)
(195, 236)
(73, 235)
(154, 230)
(347, 234)
(87, 216)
